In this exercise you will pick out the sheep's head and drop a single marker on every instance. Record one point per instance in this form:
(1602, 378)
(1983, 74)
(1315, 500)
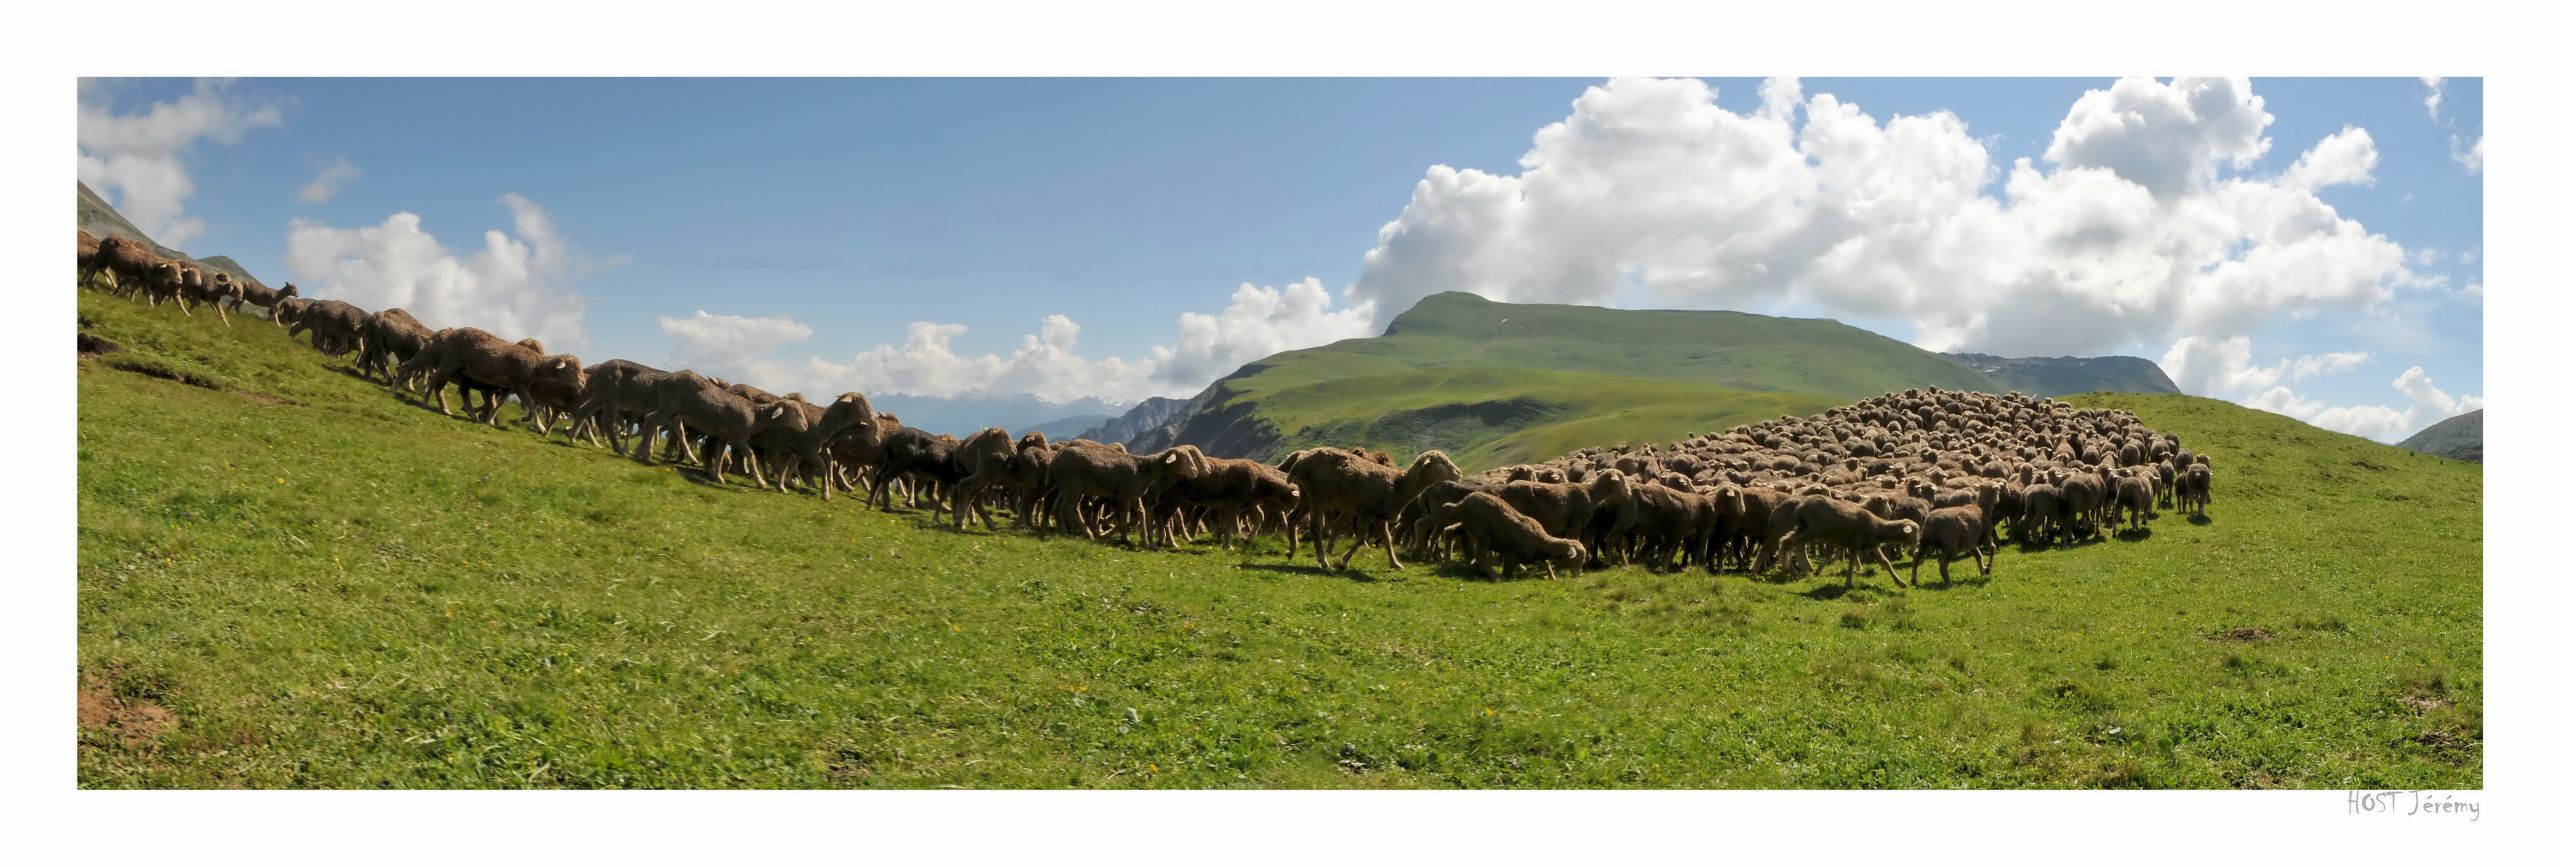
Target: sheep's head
(1902, 532)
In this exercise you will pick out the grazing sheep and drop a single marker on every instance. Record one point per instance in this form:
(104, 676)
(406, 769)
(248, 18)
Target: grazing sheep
(1494, 531)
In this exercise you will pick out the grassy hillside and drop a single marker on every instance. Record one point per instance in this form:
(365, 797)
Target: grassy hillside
(289, 578)
(1498, 383)
(2457, 437)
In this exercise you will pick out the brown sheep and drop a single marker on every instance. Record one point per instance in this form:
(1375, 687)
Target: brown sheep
(1226, 492)
(88, 258)
(1661, 523)
(802, 434)
(1952, 532)
(1566, 509)
(618, 393)
(686, 398)
(2084, 497)
(2133, 500)
(1125, 480)
(390, 337)
(253, 292)
(984, 460)
(502, 367)
(1340, 488)
(1822, 520)
(127, 261)
(553, 389)
(203, 289)
(1029, 473)
(1494, 530)
(2195, 489)
(288, 310)
(336, 327)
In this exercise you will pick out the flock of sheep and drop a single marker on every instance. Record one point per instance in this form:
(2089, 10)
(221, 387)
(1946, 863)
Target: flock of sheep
(1919, 472)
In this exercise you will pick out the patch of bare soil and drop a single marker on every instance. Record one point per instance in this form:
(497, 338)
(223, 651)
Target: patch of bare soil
(91, 344)
(2243, 633)
(135, 722)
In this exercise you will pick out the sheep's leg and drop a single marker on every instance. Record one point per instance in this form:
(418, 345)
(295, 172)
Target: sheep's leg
(1887, 565)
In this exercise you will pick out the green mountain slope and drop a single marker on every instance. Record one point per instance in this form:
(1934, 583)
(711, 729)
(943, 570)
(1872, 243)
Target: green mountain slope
(323, 586)
(2457, 437)
(1495, 383)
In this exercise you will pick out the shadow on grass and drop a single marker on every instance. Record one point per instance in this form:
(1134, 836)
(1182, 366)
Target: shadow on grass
(2199, 519)
(1357, 575)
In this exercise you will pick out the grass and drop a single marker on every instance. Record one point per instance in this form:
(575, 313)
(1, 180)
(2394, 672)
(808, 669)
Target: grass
(327, 587)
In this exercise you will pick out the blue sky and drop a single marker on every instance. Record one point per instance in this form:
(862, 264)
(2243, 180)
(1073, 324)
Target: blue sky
(815, 221)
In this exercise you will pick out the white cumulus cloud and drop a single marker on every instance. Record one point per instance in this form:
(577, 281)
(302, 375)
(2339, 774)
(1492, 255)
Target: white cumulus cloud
(2223, 368)
(138, 160)
(2170, 138)
(2136, 229)
(513, 286)
(2428, 404)
(710, 341)
(2347, 157)
(332, 176)
(1256, 322)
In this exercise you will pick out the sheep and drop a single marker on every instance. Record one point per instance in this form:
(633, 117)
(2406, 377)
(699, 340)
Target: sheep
(690, 399)
(1083, 470)
(1660, 523)
(1822, 520)
(1494, 530)
(2195, 489)
(389, 337)
(1954, 531)
(1349, 489)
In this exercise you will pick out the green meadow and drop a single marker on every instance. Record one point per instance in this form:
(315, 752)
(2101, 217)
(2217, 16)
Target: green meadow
(289, 577)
